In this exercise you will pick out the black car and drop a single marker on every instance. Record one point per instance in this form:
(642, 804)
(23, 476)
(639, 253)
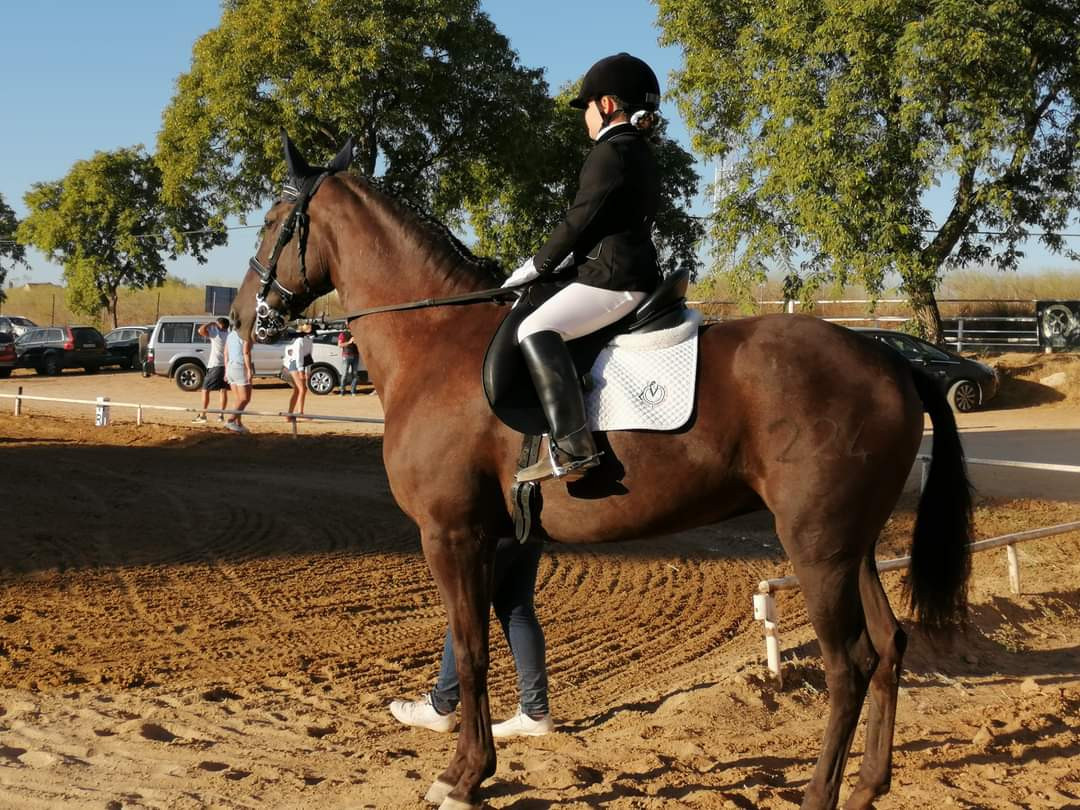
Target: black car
(127, 345)
(51, 349)
(966, 383)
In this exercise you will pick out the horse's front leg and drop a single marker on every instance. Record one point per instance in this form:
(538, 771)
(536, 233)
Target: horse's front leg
(462, 563)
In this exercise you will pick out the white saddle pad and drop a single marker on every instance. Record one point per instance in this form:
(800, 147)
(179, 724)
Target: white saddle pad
(646, 381)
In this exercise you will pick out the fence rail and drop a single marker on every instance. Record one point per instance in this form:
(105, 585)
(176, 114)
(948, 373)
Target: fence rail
(962, 332)
(765, 604)
(102, 406)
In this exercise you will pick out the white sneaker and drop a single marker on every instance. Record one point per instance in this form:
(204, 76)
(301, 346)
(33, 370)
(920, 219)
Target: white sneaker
(521, 725)
(199, 420)
(422, 714)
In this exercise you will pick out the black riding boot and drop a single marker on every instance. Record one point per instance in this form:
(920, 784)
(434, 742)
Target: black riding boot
(573, 451)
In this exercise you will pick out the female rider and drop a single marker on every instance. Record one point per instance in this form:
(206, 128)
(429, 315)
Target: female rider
(606, 238)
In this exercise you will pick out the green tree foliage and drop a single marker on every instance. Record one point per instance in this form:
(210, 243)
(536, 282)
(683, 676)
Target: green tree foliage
(840, 117)
(512, 213)
(106, 224)
(423, 85)
(438, 102)
(10, 249)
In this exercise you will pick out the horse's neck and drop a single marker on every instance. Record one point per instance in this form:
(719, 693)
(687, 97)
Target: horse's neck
(402, 349)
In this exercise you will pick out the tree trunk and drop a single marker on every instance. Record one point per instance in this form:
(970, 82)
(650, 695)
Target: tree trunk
(113, 300)
(927, 314)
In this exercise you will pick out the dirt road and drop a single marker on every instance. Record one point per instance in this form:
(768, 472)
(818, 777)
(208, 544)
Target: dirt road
(192, 619)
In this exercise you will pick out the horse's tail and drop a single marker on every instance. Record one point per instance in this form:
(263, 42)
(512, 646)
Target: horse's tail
(940, 553)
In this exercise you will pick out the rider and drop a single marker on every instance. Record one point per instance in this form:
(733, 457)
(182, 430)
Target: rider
(606, 237)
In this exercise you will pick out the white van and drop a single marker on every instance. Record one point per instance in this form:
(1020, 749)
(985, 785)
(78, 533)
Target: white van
(177, 350)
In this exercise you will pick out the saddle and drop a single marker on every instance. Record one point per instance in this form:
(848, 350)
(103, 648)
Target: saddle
(507, 384)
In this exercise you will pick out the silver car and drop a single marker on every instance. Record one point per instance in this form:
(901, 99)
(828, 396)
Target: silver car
(16, 325)
(177, 350)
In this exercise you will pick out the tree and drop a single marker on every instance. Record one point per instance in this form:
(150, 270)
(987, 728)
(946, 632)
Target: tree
(15, 253)
(106, 223)
(512, 213)
(424, 85)
(841, 116)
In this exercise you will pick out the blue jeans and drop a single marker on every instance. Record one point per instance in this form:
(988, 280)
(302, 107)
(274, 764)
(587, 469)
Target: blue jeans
(515, 581)
(351, 374)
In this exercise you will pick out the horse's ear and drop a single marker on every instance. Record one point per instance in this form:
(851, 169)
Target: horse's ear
(298, 167)
(342, 159)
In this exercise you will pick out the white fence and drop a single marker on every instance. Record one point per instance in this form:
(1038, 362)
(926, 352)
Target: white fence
(998, 332)
(765, 604)
(103, 405)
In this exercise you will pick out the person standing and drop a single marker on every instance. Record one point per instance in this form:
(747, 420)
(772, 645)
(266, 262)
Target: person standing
(215, 332)
(351, 355)
(516, 565)
(296, 359)
(238, 373)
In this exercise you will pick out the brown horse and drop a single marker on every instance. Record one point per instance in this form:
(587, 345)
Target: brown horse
(811, 421)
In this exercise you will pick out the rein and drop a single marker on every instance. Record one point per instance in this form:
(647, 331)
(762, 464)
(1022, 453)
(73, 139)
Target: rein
(496, 294)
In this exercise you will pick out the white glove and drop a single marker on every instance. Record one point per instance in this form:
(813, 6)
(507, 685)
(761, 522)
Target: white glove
(527, 272)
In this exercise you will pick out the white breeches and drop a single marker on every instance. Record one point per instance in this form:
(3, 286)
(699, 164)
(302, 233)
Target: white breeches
(578, 310)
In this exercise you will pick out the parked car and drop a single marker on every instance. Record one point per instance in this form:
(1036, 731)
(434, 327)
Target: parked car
(176, 350)
(127, 345)
(51, 349)
(15, 325)
(966, 383)
(7, 354)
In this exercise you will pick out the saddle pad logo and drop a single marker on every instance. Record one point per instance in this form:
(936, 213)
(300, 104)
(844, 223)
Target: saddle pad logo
(653, 393)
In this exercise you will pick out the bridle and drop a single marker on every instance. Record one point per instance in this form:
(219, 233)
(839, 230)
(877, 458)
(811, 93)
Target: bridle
(270, 321)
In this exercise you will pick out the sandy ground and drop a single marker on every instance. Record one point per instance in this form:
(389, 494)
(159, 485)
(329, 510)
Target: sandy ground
(173, 635)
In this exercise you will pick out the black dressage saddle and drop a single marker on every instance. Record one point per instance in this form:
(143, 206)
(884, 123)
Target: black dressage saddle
(507, 384)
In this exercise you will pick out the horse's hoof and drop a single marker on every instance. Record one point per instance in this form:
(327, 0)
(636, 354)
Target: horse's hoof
(457, 804)
(438, 791)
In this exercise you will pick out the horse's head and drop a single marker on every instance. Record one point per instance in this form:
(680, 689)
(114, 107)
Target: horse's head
(281, 281)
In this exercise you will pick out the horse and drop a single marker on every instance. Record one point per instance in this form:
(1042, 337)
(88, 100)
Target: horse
(809, 420)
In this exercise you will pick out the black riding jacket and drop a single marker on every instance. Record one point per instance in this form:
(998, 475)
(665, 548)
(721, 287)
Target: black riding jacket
(609, 225)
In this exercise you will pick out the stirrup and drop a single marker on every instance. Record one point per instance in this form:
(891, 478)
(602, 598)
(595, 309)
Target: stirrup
(569, 469)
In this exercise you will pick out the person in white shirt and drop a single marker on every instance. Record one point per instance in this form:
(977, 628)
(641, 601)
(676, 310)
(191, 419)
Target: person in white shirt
(297, 358)
(215, 332)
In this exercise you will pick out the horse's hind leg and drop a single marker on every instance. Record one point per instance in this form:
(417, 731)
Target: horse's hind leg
(831, 589)
(889, 642)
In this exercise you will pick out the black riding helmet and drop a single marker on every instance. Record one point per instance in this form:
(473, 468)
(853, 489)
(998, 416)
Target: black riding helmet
(624, 76)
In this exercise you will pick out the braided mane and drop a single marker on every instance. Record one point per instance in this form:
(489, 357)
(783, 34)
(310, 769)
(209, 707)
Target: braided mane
(434, 232)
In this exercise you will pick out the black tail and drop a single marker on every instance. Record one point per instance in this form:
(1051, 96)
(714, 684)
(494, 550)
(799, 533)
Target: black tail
(940, 557)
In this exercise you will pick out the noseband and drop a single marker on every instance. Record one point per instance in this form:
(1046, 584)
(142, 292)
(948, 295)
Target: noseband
(270, 321)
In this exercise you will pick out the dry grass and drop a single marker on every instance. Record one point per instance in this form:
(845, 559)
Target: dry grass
(46, 305)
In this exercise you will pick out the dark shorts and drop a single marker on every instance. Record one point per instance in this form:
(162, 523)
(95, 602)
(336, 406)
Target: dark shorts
(215, 379)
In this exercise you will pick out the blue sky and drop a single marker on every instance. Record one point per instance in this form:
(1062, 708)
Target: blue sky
(83, 77)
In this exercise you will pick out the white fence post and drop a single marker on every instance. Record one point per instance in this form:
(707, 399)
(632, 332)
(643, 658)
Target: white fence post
(101, 414)
(765, 612)
(18, 402)
(138, 416)
(1014, 568)
(959, 334)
